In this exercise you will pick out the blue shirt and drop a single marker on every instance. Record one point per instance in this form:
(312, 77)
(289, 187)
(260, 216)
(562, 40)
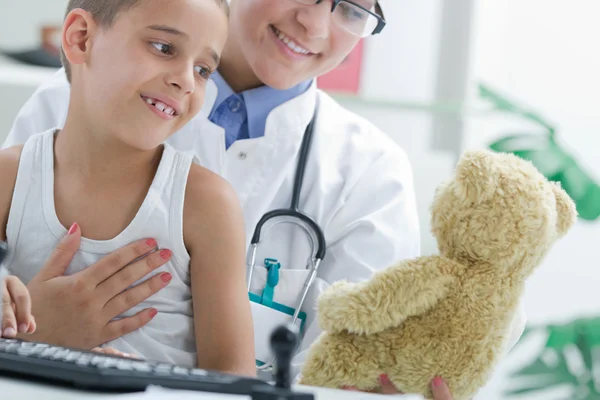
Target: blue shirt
(244, 115)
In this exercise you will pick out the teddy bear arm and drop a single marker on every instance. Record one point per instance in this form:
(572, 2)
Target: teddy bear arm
(408, 289)
(392, 295)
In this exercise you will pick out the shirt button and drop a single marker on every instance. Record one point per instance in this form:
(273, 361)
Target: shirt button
(235, 105)
(242, 155)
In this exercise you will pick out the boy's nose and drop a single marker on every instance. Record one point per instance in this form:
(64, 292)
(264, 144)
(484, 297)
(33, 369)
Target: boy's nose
(182, 81)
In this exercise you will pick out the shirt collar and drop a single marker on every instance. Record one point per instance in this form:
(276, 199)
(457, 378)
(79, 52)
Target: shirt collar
(259, 102)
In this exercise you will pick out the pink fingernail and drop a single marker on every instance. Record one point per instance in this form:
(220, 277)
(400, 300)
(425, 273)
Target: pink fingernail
(73, 228)
(153, 313)
(23, 328)
(151, 243)
(10, 333)
(437, 382)
(166, 277)
(165, 254)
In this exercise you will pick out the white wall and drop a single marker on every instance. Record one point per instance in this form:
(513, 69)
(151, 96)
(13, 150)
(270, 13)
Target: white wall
(20, 21)
(401, 62)
(545, 54)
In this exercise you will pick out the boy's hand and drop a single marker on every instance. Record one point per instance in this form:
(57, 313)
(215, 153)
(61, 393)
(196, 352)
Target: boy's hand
(113, 352)
(16, 308)
(79, 310)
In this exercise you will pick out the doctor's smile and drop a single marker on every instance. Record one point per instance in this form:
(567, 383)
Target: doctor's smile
(290, 46)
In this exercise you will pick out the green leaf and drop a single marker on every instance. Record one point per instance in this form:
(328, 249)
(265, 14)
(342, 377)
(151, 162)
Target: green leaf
(551, 369)
(503, 104)
(554, 162)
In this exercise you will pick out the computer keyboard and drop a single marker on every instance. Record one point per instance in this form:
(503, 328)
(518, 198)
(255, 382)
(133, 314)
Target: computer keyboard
(95, 371)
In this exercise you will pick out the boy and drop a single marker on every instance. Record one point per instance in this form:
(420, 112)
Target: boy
(138, 71)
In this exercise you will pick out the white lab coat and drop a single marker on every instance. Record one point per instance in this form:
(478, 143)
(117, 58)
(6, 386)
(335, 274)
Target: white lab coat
(358, 187)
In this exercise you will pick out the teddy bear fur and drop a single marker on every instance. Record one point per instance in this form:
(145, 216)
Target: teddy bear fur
(446, 315)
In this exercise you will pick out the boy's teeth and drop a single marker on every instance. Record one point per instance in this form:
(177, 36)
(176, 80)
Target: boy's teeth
(161, 106)
(290, 43)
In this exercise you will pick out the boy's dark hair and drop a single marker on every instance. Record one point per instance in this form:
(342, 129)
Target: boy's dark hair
(104, 13)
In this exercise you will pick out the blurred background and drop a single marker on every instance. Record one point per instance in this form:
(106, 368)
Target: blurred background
(445, 76)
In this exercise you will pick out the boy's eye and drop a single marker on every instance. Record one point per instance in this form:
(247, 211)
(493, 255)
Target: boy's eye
(163, 48)
(203, 71)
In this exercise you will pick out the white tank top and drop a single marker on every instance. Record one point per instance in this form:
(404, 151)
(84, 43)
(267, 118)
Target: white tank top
(33, 231)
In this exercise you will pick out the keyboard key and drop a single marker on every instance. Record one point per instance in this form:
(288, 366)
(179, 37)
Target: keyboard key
(181, 371)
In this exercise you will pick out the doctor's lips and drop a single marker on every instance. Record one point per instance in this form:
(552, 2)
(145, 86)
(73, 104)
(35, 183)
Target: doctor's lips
(291, 43)
(164, 106)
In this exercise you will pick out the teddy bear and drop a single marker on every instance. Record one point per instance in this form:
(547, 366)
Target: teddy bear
(445, 315)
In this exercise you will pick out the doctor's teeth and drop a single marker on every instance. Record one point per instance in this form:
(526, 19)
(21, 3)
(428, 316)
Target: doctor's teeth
(160, 106)
(290, 43)
(169, 111)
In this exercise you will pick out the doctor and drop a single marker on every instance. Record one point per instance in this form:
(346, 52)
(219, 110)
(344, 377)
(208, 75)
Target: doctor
(358, 185)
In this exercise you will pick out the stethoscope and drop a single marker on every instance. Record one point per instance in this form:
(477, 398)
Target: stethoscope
(297, 217)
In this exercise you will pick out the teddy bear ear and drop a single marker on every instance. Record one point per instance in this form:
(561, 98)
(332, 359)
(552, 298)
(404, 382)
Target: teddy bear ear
(475, 176)
(566, 211)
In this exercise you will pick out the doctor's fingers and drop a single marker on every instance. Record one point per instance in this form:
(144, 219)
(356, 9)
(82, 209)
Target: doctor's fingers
(16, 308)
(122, 268)
(440, 389)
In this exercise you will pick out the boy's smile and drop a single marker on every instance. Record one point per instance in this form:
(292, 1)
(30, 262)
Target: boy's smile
(164, 108)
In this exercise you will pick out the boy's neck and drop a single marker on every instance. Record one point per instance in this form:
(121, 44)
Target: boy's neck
(94, 158)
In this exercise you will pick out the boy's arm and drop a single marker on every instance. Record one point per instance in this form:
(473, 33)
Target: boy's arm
(15, 311)
(9, 166)
(214, 236)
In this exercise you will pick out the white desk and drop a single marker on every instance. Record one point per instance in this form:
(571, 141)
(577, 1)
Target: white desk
(12, 389)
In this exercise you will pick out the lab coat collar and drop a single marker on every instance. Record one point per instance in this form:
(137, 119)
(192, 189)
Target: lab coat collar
(293, 116)
(290, 117)
(284, 130)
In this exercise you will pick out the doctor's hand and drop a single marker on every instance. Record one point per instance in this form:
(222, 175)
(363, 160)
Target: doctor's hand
(16, 308)
(438, 387)
(77, 310)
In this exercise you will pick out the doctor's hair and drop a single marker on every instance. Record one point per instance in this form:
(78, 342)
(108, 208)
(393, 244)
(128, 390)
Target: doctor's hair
(104, 13)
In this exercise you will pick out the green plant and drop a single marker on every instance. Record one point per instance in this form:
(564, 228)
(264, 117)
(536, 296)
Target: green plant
(543, 150)
(570, 357)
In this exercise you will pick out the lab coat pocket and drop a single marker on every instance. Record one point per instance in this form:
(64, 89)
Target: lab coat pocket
(270, 312)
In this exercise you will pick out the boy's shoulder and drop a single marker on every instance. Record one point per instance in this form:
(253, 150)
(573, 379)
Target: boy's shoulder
(211, 208)
(11, 156)
(9, 166)
(206, 190)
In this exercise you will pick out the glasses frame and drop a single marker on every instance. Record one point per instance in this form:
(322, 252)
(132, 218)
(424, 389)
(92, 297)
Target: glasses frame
(378, 13)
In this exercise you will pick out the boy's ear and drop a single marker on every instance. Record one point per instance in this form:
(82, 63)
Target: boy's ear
(77, 31)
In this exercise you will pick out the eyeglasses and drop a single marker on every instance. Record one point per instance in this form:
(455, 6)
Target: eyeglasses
(354, 18)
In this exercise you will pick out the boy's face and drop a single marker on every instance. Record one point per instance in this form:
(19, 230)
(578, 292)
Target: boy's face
(145, 76)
